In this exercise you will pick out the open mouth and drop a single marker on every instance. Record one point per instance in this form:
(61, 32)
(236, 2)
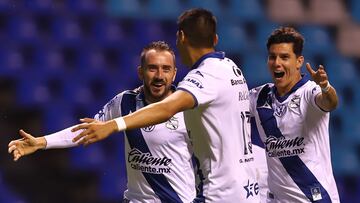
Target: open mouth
(158, 84)
(279, 74)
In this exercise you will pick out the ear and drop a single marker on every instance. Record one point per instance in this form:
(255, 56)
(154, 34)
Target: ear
(140, 73)
(216, 39)
(181, 36)
(299, 62)
(173, 79)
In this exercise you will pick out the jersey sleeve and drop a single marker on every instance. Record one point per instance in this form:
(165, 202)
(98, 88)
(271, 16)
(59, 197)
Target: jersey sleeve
(111, 110)
(201, 86)
(253, 96)
(311, 92)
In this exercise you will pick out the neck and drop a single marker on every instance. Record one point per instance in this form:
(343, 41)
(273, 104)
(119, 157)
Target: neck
(197, 53)
(282, 91)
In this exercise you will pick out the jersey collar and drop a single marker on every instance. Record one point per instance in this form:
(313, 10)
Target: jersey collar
(219, 55)
(296, 86)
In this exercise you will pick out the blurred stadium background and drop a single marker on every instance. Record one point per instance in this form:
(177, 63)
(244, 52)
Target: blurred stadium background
(61, 60)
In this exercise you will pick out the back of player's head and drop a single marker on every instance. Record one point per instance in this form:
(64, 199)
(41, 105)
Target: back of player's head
(157, 46)
(287, 35)
(199, 26)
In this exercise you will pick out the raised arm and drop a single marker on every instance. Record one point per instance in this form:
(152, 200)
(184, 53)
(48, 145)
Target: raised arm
(150, 115)
(328, 99)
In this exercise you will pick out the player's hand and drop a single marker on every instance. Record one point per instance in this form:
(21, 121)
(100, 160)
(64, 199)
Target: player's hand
(93, 130)
(320, 77)
(27, 145)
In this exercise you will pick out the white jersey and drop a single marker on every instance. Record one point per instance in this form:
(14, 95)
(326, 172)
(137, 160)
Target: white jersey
(158, 158)
(295, 133)
(219, 127)
(260, 162)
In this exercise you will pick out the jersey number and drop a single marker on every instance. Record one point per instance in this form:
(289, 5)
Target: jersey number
(245, 117)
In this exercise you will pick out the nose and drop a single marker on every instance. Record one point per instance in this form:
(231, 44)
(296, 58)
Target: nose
(277, 61)
(159, 74)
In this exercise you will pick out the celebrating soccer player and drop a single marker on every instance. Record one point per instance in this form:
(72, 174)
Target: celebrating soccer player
(292, 118)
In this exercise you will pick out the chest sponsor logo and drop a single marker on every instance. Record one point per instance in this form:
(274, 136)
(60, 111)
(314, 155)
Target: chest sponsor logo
(149, 128)
(280, 110)
(145, 162)
(282, 147)
(172, 124)
(194, 81)
(252, 189)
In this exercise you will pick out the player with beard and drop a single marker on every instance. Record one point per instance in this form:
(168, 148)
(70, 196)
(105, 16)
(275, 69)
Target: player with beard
(159, 158)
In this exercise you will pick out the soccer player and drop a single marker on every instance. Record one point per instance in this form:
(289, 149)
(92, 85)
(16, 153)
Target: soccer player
(292, 118)
(159, 157)
(215, 98)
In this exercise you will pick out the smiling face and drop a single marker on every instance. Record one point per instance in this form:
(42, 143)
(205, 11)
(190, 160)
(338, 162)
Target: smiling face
(157, 74)
(284, 66)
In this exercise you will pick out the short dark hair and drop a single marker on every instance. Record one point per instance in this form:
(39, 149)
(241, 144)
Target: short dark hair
(158, 46)
(287, 35)
(199, 26)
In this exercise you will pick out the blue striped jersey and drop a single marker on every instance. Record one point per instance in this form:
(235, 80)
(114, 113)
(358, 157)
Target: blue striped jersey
(295, 133)
(158, 158)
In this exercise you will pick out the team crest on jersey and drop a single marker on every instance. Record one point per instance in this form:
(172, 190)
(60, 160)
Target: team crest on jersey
(149, 128)
(172, 123)
(294, 104)
(280, 110)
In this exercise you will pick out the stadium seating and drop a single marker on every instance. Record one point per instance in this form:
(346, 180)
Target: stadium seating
(71, 57)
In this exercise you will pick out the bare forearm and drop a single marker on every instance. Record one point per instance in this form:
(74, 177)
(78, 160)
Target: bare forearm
(328, 100)
(153, 114)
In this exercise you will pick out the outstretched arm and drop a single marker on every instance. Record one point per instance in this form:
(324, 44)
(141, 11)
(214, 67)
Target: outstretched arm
(328, 99)
(29, 144)
(150, 115)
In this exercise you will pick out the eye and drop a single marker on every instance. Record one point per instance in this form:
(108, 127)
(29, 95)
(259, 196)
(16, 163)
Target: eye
(166, 69)
(271, 57)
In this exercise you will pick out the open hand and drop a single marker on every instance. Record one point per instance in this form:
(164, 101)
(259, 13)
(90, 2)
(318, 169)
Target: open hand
(27, 145)
(93, 130)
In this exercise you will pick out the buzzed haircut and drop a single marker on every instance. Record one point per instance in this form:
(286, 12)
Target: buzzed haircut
(287, 35)
(157, 46)
(199, 26)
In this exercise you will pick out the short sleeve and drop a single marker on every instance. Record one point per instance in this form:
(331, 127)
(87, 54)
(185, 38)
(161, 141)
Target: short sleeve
(310, 95)
(111, 110)
(202, 86)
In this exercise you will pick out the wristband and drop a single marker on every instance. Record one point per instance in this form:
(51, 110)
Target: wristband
(120, 122)
(327, 88)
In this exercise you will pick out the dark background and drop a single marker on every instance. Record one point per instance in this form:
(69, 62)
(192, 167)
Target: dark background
(61, 60)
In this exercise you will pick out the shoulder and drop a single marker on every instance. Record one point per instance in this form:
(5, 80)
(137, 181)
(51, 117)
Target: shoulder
(256, 90)
(119, 97)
